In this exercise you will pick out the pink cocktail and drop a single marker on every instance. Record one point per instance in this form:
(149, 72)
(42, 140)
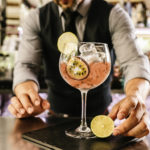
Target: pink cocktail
(84, 70)
(98, 72)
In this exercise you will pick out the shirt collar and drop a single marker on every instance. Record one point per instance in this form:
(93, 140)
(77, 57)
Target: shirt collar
(60, 10)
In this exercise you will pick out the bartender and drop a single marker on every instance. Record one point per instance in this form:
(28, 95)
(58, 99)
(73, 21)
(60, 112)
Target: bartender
(95, 21)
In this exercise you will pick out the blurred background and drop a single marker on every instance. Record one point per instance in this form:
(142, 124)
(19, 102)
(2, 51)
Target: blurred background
(12, 15)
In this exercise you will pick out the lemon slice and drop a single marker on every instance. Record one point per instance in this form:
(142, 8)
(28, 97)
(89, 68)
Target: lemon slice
(102, 126)
(77, 68)
(67, 43)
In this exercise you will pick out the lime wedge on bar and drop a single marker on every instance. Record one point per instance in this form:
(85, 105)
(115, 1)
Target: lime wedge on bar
(67, 43)
(102, 126)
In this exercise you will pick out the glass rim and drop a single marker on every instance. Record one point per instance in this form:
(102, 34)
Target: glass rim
(95, 43)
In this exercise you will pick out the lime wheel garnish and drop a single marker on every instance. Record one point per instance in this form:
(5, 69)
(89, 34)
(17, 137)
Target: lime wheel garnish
(102, 126)
(77, 68)
(67, 43)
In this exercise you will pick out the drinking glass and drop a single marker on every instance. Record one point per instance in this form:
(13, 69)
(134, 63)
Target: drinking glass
(85, 69)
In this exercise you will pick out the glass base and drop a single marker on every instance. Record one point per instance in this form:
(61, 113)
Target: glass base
(80, 133)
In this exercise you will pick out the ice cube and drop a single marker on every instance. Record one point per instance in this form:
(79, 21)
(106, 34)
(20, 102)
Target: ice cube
(90, 53)
(87, 48)
(99, 48)
(102, 55)
(91, 58)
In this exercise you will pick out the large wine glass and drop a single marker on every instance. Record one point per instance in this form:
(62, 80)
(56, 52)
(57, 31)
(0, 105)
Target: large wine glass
(85, 69)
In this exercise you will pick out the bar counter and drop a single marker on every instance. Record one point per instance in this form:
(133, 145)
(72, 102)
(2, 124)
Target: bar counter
(11, 131)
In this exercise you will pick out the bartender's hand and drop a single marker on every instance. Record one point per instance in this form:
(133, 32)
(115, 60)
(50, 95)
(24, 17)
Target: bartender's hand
(27, 101)
(133, 109)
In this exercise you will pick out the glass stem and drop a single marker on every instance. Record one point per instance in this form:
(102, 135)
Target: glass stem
(83, 113)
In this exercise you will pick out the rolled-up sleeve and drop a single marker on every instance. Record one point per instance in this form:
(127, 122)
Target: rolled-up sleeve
(132, 60)
(30, 52)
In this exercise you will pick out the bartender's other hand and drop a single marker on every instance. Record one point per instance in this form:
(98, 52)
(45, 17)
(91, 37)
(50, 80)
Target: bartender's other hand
(132, 109)
(27, 101)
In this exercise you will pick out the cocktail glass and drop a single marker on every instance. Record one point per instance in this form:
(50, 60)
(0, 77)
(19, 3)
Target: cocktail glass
(85, 69)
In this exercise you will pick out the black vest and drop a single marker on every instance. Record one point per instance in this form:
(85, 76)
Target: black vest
(63, 97)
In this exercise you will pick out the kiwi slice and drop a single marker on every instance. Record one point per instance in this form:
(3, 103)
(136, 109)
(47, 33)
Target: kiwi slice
(77, 68)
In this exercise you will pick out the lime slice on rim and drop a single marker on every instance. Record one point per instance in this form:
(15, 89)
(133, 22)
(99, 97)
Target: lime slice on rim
(67, 43)
(77, 68)
(102, 126)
